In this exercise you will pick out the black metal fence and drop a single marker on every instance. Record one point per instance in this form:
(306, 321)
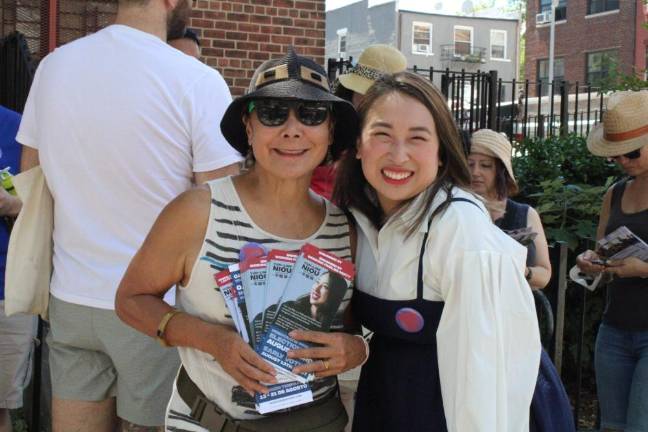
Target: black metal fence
(482, 99)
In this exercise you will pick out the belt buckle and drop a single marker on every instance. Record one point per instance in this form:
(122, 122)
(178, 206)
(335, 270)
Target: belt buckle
(205, 413)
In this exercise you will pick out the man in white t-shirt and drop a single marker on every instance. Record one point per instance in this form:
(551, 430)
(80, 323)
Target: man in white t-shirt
(121, 123)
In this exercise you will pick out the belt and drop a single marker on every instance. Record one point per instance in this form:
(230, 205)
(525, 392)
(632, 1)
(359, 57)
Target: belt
(204, 411)
(320, 416)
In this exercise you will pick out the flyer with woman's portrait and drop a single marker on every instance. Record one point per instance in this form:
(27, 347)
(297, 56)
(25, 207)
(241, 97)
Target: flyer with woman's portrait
(310, 301)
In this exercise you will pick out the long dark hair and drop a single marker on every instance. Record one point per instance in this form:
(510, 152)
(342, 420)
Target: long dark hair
(504, 185)
(351, 186)
(337, 287)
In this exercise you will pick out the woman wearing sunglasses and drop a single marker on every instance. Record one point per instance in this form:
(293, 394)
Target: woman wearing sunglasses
(285, 125)
(621, 354)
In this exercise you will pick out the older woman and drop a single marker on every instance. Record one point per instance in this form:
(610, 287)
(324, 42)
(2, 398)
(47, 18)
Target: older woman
(286, 125)
(492, 178)
(621, 353)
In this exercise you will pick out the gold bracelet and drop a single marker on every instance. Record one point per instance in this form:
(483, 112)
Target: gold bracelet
(161, 337)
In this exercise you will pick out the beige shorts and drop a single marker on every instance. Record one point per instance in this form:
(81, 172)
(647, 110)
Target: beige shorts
(17, 335)
(95, 356)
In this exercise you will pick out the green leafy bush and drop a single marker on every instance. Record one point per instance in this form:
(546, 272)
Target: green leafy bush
(565, 183)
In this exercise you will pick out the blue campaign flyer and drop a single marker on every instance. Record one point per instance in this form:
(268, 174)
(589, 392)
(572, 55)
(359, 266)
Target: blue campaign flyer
(239, 303)
(280, 266)
(253, 276)
(310, 301)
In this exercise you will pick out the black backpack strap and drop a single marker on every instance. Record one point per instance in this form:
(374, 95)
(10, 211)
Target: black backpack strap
(419, 278)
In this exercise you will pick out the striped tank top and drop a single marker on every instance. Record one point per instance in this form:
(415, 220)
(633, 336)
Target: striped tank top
(229, 228)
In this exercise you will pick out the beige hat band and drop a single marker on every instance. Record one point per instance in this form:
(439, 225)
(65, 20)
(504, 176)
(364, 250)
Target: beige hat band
(623, 136)
(478, 147)
(367, 72)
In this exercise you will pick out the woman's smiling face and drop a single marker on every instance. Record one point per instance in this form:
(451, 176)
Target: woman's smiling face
(291, 149)
(398, 149)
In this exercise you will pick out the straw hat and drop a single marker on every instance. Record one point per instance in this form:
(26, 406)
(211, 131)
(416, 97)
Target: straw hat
(374, 62)
(624, 127)
(494, 144)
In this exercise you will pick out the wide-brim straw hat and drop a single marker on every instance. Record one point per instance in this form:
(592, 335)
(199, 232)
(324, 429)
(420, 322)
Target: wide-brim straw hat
(494, 144)
(374, 62)
(624, 127)
(296, 78)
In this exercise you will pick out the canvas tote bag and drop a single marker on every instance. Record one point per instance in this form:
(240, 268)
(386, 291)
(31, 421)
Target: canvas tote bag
(29, 258)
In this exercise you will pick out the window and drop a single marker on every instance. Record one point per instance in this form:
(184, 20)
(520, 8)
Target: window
(599, 65)
(342, 42)
(561, 10)
(543, 74)
(498, 44)
(598, 6)
(463, 40)
(421, 38)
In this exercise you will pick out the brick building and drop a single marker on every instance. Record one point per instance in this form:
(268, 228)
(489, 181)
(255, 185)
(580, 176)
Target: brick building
(236, 35)
(591, 37)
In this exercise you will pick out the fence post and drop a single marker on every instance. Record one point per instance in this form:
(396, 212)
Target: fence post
(560, 307)
(445, 84)
(331, 67)
(564, 108)
(492, 100)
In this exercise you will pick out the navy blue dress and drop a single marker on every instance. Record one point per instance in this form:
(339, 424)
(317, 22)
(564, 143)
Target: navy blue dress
(399, 387)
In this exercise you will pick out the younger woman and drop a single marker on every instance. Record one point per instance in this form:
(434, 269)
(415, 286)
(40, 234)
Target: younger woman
(456, 344)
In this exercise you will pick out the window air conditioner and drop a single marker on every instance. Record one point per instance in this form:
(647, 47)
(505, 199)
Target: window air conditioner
(422, 47)
(543, 18)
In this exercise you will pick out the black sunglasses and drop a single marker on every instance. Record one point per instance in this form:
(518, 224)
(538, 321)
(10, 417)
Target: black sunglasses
(274, 112)
(631, 155)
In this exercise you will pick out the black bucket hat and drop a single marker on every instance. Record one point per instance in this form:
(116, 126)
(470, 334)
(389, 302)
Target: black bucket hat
(297, 78)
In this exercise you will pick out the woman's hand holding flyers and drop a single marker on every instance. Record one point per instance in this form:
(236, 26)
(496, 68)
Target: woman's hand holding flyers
(586, 262)
(240, 361)
(338, 352)
(628, 267)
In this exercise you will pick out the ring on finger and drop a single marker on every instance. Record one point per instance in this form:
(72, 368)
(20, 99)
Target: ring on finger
(326, 364)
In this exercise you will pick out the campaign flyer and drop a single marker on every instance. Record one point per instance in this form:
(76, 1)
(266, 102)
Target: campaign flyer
(239, 303)
(280, 266)
(253, 277)
(310, 301)
(622, 243)
(224, 283)
(282, 396)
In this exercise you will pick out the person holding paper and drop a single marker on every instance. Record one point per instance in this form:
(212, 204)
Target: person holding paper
(492, 178)
(621, 352)
(286, 125)
(456, 345)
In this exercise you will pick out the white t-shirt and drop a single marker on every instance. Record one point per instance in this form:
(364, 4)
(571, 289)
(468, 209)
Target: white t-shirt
(121, 121)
